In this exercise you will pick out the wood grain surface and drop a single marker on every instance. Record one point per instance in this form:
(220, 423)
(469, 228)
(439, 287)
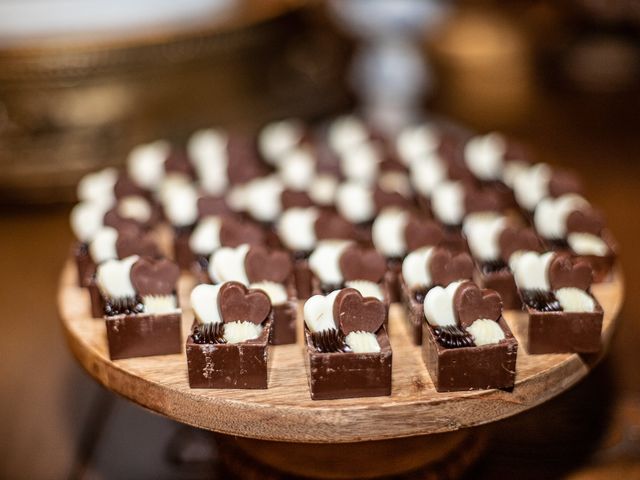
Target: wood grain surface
(285, 411)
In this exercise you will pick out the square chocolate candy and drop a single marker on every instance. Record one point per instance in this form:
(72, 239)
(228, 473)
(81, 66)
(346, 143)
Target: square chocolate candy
(502, 281)
(346, 374)
(230, 365)
(470, 368)
(143, 335)
(413, 309)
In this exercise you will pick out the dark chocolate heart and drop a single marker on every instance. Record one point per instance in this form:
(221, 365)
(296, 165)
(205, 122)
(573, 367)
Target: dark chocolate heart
(292, 199)
(586, 220)
(471, 303)
(264, 265)
(135, 242)
(481, 200)
(209, 205)
(563, 181)
(234, 232)
(178, 162)
(330, 225)
(354, 313)
(565, 271)
(125, 187)
(422, 232)
(446, 267)
(239, 304)
(154, 277)
(357, 263)
(512, 239)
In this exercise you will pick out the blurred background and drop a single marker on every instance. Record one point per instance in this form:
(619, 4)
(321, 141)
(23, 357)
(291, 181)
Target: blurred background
(82, 81)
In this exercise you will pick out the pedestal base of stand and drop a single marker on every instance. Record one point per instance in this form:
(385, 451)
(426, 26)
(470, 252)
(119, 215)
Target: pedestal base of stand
(441, 456)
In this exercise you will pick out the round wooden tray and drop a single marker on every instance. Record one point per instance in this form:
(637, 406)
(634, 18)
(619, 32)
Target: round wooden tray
(285, 412)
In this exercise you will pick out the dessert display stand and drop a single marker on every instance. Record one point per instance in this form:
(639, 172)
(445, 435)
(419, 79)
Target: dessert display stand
(281, 433)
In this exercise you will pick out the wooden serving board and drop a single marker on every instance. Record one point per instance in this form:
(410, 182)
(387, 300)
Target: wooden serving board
(285, 411)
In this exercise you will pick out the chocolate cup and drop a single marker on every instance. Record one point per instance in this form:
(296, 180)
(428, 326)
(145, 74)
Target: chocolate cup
(143, 335)
(182, 253)
(85, 266)
(239, 365)
(391, 279)
(302, 274)
(414, 312)
(563, 332)
(347, 374)
(501, 281)
(471, 368)
(97, 302)
(284, 329)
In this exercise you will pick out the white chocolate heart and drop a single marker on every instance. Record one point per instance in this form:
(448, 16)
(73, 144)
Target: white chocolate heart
(227, 264)
(275, 291)
(354, 202)
(324, 261)
(237, 332)
(530, 270)
(86, 219)
(550, 216)
(322, 189)
(98, 186)
(181, 205)
(362, 342)
(278, 138)
(447, 203)
(485, 332)
(366, 288)
(482, 231)
(103, 245)
(135, 208)
(415, 268)
(346, 132)
(426, 173)
(417, 141)
(145, 164)
(208, 146)
(511, 170)
(587, 244)
(262, 198)
(296, 228)
(204, 302)
(438, 305)
(318, 312)
(205, 238)
(484, 156)
(575, 300)
(361, 163)
(388, 232)
(114, 278)
(532, 185)
(297, 169)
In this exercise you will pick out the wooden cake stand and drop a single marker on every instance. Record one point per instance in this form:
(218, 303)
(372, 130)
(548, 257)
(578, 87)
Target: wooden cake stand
(416, 431)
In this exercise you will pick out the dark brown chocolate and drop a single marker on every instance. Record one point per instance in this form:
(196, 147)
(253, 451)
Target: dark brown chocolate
(513, 239)
(357, 263)
(154, 277)
(471, 303)
(541, 300)
(470, 368)
(452, 336)
(447, 267)
(413, 310)
(143, 335)
(264, 265)
(564, 181)
(209, 205)
(330, 225)
(587, 220)
(237, 303)
(234, 232)
(293, 198)
(355, 313)
(422, 232)
(212, 332)
(565, 271)
(503, 282)
(329, 341)
(136, 243)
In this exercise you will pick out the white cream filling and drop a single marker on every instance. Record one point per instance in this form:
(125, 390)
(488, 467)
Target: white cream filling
(134, 207)
(395, 182)
(362, 342)
(275, 291)
(160, 304)
(438, 305)
(103, 245)
(113, 278)
(324, 261)
(415, 268)
(485, 332)
(205, 238)
(237, 332)
(322, 189)
(145, 164)
(587, 244)
(530, 270)
(388, 232)
(204, 302)
(296, 228)
(227, 264)
(575, 300)
(366, 288)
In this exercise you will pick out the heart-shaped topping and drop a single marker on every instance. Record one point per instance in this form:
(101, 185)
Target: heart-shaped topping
(514, 239)
(332, 226)
(154, 277)
(126, 187)
(114, 278)
(355, 313)
(293, 198)
(481, 200)
(318, 312)
(210, 206)
(563, 182)
(585, 220)
(447, 267)
(204, 302)
(473, 304)
(263, 265)
(135, 242)
(237, 303)
(178, 162)
(234, 233)
(422, 232)
(565, 271)
(438, 306)
(358, 263)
